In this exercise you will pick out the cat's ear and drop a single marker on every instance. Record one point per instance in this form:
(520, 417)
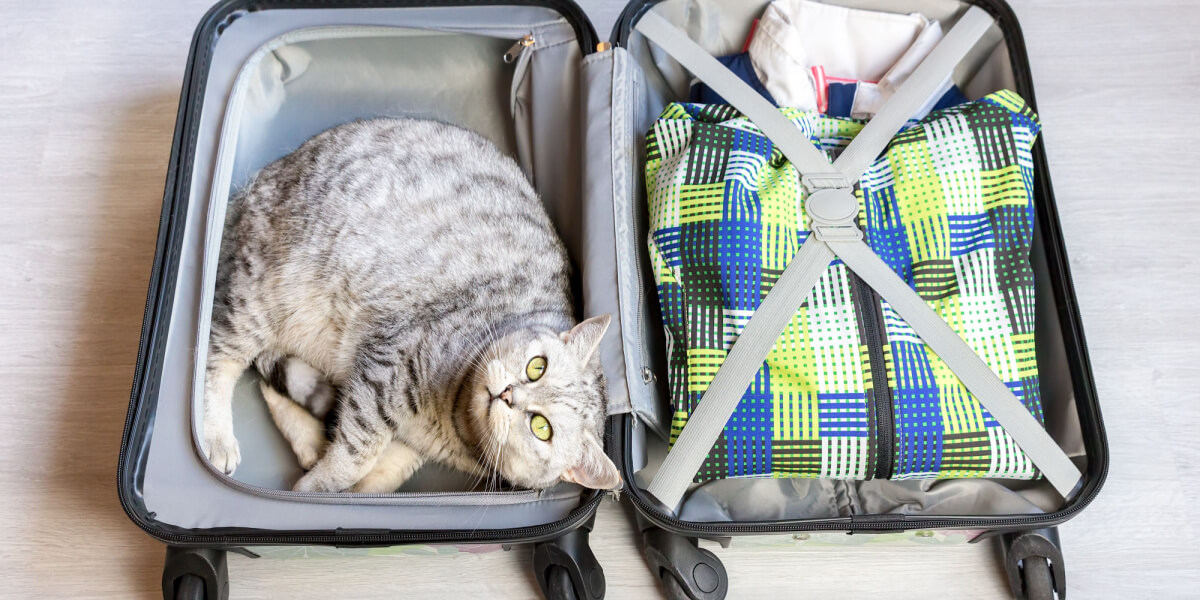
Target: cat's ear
(594, 469)
(584, 338)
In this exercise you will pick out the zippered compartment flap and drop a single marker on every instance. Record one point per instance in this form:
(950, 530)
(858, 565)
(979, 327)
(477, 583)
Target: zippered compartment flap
(617, 274)
(751, 505)
(173, 482)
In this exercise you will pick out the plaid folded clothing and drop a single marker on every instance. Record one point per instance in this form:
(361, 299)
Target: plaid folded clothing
(849, 391)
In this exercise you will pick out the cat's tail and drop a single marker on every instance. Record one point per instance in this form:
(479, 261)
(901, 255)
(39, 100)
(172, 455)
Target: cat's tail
(299, 381)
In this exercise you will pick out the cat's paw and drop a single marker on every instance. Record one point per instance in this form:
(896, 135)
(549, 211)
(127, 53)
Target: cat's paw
(311, 483)
(221, 448)
(375, 483)
(308, 451)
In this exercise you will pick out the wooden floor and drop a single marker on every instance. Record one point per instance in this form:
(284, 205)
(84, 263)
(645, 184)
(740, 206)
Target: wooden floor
(88, 93)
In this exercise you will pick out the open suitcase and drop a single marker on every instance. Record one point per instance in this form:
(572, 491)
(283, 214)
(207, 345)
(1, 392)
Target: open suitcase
(533, 77)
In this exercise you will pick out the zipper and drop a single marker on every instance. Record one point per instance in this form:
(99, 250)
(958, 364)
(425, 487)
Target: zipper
(639, 227)
(859, 523)
(216, 217)
(876, 337)
(520, 54)
(161, 287)
(464, 498)
(359, 537)
(624, 23)
(518, 49)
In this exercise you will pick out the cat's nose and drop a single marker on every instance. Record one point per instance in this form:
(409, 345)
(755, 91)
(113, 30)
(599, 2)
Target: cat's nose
(506, 395)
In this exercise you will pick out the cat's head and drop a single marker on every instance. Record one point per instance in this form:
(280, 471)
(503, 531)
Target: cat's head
(537, 404)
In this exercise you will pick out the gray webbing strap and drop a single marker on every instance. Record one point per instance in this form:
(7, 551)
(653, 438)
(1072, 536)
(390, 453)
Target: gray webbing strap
(794, 145)
(722, 396)
(975, 374)
(737, 372)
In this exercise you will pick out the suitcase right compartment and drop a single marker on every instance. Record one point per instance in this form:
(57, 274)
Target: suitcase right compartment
(641, 81)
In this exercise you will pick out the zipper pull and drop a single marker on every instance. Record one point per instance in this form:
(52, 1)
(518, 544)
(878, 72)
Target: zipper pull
(517, 48)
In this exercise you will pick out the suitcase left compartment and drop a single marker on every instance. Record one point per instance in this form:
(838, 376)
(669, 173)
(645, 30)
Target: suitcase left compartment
(262, 78)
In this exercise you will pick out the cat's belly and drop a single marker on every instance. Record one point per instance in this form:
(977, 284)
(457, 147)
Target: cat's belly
(320, 331)
(435, 445)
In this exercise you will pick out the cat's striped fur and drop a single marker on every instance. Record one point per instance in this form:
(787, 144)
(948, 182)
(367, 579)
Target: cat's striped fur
(407, 271)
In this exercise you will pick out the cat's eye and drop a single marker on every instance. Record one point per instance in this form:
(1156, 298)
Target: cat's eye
(536, 368)
(541, 428)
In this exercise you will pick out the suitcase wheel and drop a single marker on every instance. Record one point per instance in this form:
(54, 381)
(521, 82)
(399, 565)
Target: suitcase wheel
(1038, 580)
(195, 574)
(566, 568)
(559, 586)
(1034, 563)
(674, 590)
(190, 587)
(687, 571)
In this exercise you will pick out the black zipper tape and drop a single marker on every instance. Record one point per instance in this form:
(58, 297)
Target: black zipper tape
(873, 332)
(151, 344)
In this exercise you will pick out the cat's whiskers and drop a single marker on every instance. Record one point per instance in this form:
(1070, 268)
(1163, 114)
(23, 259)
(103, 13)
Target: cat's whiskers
(487, 443)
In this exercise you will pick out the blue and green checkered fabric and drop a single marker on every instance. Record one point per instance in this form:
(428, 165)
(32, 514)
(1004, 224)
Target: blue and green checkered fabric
(948, 206)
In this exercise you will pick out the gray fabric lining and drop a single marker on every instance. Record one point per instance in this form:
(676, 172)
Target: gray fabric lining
(619, 275)
(298, 90)
(721, 29)
(600, 179)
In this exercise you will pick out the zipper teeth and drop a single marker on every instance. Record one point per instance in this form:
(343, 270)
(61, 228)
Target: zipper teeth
(848, 524)
(208, 27)
(884, 414)
(638, 220)
(396, 499)
(518, 53)
(473, 536)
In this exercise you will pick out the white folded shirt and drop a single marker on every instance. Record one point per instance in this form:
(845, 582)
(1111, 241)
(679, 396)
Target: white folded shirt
(878, 49)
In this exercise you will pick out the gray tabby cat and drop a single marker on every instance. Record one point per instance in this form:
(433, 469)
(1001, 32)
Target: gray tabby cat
(406, 271)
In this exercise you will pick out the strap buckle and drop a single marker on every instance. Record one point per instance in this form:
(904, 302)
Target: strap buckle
(833, 212)
(824, 181)
(837, 233)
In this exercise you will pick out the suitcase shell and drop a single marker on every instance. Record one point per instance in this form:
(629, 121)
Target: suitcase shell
(261, 77)
(603, 104)
(1033, 558)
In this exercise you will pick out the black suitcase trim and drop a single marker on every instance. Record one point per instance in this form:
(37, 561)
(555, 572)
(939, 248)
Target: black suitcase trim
(1083, 383)
(161, 290)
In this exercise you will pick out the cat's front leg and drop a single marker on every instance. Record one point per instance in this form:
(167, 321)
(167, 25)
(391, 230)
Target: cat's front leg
(344, 463)
(303, 432)
(220, 445)
(397, 463)
(362, 435)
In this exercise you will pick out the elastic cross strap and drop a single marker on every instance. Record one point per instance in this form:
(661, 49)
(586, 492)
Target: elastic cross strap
(975, 374)
(795, 146)
(834, 232)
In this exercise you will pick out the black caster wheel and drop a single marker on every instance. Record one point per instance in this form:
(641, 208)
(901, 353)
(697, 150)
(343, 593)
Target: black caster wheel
(190, 587)
(559, 586)
(1039, 583)
(687, 571)
(566, 569)
(195, 574)
(672, 588)
(1034, 563)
